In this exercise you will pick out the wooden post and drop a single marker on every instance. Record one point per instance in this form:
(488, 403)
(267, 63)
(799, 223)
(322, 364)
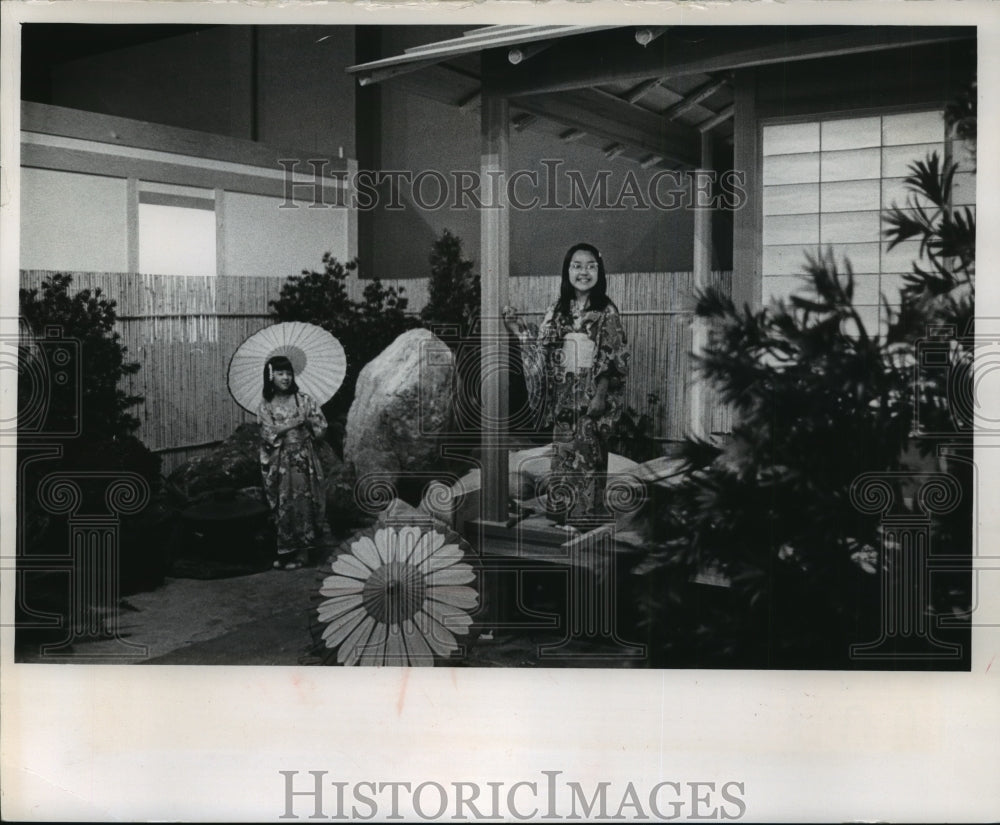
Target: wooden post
(700, 423)
(747, 229)
(494, 272)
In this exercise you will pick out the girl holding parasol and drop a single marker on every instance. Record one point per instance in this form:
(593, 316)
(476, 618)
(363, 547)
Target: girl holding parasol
(303, 366)
(290, 420)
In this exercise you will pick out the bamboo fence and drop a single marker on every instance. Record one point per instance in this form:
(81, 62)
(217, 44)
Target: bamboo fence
(184, 329)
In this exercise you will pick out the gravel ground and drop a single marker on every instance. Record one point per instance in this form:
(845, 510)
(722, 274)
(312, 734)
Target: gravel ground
(262, 619)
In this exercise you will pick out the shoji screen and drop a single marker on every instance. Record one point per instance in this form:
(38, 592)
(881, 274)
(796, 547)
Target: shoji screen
(826, 183)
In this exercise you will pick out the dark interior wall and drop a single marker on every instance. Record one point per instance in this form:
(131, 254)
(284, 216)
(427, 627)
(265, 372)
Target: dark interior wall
(201, 80)
(638, 237)
(286, 85)
(415, 134)
(305, 98)
(282, 85)
(418, 134)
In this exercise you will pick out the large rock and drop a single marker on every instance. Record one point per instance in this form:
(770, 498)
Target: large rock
(402, 405)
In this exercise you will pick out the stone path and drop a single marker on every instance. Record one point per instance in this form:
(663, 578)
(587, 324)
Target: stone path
(262, 619)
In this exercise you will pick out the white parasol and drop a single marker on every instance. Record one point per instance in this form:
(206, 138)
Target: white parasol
(317, 358)
(396, 595)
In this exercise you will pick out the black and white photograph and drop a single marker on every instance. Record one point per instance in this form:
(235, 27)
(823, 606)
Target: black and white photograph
(588, 403)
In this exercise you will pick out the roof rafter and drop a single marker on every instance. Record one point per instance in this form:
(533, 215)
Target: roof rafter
(636, 93)
(692, 99)
(717, 119)
(613, 119)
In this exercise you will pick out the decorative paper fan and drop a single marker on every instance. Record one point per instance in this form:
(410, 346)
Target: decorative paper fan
(317, 357)
(396, 595)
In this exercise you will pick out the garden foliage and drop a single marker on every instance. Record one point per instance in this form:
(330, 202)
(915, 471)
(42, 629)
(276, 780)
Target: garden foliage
(75, 420)
(98, 361)
(75, 387)
(364, 328)
(454, 289)
(819, 399)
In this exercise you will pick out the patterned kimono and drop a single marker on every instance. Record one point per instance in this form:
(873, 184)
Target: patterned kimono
(293, 476)
(580, 451)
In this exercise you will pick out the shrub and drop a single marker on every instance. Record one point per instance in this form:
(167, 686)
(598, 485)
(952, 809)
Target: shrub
(89, 351)
(818, 400)
(634, 437)
(88, 319)
(363, 328)
(452, 312)
(454, 290)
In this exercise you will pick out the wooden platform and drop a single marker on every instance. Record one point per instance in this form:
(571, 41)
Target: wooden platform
(582, 575)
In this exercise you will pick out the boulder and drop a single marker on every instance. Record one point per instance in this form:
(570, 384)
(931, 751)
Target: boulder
(402, 406)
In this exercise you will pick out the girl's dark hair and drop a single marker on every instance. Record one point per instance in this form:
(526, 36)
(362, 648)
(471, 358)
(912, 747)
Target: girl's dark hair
(598, 298)
(277, 362)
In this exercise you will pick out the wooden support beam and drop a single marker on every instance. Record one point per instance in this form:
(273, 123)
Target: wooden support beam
(494, 271)
(719, 50)
(519, 54)
(571, 135)
(647, 35)
(495, 37)
(716, 120)
(697, 398)
(636, 93)
(611, 118)
(430, 53)
(132, 224)
(650, 161)
(692, 99)
(613, 150)
(523, 121)
(470, 101)
(747, 250)
(495, 29)
(388, 72)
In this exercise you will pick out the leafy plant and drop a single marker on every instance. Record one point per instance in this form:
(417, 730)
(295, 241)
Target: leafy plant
(818, 399)
(634, 435)
(454, 289)
(97, 360)
(70, 367)
(452, 311)
(70, 370)
(364, 328)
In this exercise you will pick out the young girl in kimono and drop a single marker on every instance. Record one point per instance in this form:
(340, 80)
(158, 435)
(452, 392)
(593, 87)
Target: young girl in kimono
(290, 421)
(575, 369)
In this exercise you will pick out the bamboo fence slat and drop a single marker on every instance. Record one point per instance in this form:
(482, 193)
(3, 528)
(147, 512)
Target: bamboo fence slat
(184, 329)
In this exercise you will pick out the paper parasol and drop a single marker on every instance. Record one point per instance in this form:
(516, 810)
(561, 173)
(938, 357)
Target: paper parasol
(399, 595)
(317, 358)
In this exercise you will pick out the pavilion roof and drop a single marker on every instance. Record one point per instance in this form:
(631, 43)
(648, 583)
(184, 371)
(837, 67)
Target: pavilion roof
(643, 93)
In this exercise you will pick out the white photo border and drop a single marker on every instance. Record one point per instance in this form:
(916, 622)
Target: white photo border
(208, 743)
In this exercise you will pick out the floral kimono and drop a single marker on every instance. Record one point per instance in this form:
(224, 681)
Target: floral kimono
(562, 383)
(293, 476)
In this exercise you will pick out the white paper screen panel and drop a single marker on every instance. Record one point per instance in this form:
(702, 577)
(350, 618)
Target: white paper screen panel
(826, 184)
(176, 240)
